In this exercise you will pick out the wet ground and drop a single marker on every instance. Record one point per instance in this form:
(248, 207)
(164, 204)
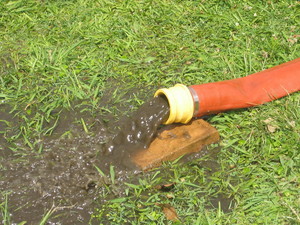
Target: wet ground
(64, 177)
(59, 177)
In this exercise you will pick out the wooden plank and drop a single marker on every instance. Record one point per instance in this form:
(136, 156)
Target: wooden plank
(175, 142)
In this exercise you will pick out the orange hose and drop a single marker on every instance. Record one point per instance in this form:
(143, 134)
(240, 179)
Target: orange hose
(252, 90)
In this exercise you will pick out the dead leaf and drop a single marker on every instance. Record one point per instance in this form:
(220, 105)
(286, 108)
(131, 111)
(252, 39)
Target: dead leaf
(292, 40)
(169, 212)
(165, 187)
(292, 123)
(269, 120)
(271, 128)
(265, 54)
(170, 195)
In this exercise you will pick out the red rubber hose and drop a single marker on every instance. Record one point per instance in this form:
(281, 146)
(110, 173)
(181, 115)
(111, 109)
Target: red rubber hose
(252, 90)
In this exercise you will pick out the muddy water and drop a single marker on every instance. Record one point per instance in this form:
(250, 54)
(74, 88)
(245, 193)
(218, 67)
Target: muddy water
(59, 178)
(64, 178)
(137, 132)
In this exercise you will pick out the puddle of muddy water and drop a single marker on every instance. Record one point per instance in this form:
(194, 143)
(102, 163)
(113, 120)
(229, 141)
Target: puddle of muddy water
(60, 176)
(64, 176)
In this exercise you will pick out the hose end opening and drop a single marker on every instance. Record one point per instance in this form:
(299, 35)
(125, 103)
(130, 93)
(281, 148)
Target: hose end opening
(181, 103)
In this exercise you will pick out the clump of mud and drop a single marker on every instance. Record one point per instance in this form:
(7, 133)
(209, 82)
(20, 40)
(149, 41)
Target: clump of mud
(64, 178)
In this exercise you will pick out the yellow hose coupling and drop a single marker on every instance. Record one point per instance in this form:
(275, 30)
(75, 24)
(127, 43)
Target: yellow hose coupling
(181, 103)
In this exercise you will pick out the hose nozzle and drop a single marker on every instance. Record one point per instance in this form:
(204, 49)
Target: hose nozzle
(181, 103)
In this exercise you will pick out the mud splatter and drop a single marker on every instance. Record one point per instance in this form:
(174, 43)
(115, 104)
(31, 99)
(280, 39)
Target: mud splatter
(137, 132)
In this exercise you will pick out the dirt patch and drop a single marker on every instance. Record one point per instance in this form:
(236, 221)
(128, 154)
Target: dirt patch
(222, 202)
(5, 118)
(6, 62)
(59, 177)
(210, 163)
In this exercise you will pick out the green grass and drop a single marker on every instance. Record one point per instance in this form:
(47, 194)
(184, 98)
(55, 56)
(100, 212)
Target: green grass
(54, 53)
(4, 209)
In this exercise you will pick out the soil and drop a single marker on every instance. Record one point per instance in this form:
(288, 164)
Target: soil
(64, 177)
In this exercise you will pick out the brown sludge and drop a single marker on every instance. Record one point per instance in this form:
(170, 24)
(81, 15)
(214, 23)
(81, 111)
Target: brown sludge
(178, 141)
(136, 133)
